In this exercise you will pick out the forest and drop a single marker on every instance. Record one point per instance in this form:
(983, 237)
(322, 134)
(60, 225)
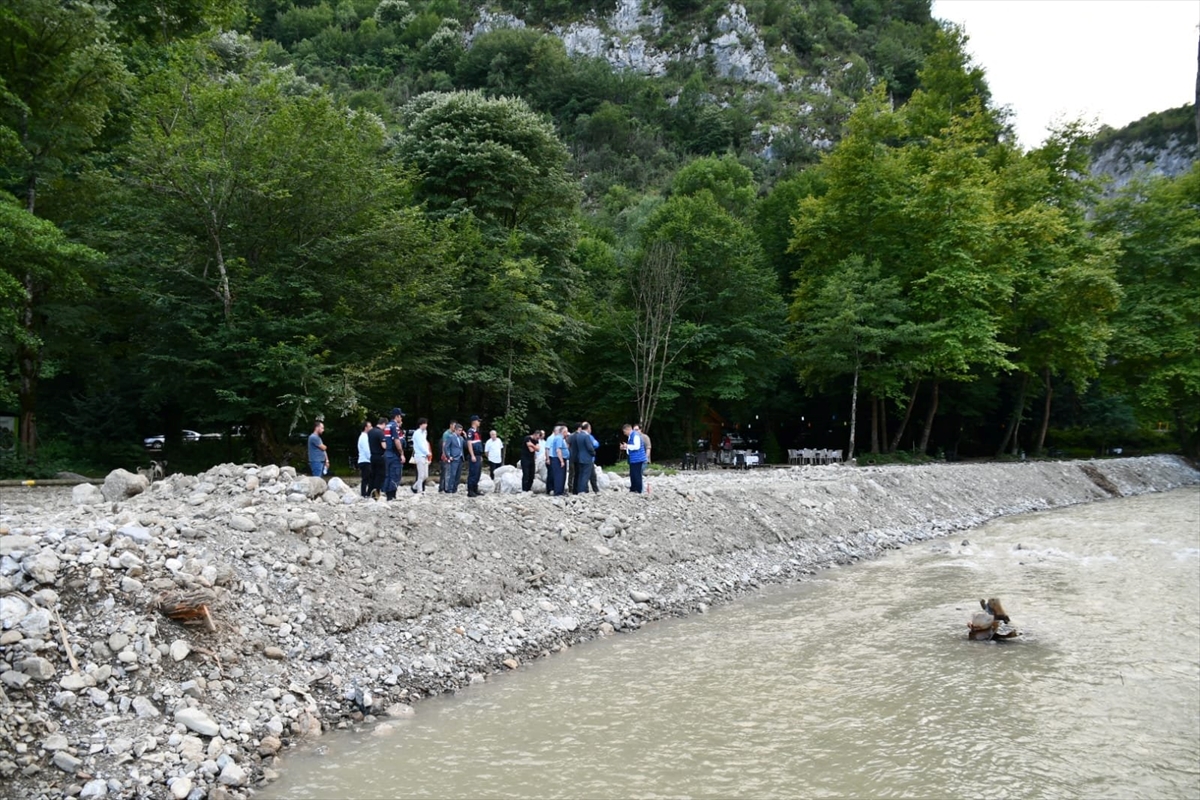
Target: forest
(239, 216)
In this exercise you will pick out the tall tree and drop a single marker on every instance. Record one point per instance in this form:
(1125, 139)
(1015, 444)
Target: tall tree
(268, 222)
(1156, 331)
(853, 325)
(60, 73)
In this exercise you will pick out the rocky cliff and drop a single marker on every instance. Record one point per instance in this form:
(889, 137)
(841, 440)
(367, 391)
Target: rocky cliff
(1163, 143)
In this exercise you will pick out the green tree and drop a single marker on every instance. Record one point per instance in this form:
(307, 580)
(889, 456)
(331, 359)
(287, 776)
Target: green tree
(60, 74)
(853, 325)
(269, 224)
(497, 160)
(1064, 286)
(1155, 347)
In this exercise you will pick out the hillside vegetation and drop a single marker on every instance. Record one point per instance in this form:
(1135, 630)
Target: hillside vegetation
(803, 219)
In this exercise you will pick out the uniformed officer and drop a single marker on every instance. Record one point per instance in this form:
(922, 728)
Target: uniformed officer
(393, 443)
(475, 450)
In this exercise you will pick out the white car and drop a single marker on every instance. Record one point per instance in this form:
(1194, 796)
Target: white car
(156, 442)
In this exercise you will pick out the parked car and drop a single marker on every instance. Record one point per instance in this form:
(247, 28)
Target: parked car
(157, 441)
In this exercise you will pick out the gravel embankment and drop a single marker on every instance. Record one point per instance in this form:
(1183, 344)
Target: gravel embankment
(330, 609)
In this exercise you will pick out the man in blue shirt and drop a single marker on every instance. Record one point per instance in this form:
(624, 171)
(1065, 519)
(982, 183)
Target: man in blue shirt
(318, 455)
(635, 446)
(557, 455)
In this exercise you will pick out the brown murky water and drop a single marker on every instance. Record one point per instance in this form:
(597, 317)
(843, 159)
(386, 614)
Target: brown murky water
(859, 683)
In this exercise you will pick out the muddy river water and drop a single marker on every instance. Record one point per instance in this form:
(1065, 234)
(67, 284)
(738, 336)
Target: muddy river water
(857, 683)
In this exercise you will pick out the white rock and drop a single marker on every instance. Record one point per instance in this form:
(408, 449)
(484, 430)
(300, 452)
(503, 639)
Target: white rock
(41, 566)
(232, 775)
(121, 484)
(97, 787)
(86, 494)
(640, 596)
(180, 787)
(144, 707)
(338, 485)
(196, 720)
(12, 610)
(241, 523)
(180, 649)
(36, 623)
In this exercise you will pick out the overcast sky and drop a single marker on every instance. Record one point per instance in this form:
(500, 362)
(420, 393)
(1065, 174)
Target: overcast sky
(1111, 60)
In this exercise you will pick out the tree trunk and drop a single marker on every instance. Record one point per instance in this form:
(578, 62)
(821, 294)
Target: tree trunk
(933, 406)
(875, 425)
(912, 401)
(29, 355)
(1014, 421)
(853, 414)
(883, 412)
(1041, 440)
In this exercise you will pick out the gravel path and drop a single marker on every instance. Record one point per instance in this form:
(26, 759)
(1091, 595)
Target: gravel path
(330, 610)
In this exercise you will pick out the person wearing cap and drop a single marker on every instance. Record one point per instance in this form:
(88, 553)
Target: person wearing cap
(393, 440)
(422, 454)
(475, 451)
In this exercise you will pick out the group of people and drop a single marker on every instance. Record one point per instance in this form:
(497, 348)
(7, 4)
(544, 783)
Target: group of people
(569, 457)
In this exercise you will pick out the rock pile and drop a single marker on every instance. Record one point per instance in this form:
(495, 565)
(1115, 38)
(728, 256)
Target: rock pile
(329, 609)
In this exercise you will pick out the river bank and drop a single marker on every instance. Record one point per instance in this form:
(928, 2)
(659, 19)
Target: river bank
(330, 610)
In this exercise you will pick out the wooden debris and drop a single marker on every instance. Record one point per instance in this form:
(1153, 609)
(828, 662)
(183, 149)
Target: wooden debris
(191, 606)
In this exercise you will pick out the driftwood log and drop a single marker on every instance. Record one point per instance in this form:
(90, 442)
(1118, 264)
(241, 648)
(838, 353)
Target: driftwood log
(189, 606)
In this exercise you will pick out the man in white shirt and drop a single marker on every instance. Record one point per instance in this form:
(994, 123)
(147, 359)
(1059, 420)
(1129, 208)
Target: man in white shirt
(422, 454)
(364, 459)
(494, 449)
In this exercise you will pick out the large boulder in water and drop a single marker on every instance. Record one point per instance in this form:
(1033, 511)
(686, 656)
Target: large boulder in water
(121, 484)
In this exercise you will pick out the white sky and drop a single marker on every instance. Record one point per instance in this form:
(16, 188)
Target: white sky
(1109, 60)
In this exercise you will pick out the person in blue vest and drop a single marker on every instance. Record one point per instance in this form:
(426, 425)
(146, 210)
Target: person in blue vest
(475, 451)
(635, 446)
(393, 444)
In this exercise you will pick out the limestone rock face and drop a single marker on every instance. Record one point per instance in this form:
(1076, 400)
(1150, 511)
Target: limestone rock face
(122, 483)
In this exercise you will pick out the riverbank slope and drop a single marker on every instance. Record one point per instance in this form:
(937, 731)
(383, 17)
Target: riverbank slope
(329, 608)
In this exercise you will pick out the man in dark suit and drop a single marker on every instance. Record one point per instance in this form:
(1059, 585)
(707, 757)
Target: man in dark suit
(583, 452)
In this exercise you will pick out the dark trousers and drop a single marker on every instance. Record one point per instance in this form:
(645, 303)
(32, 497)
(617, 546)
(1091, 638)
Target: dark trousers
(368, 478)
(474, 470)
(572, 472)
(583, 477)
(527, 472)
(635, 476)
(558, 476)
(492, 467)
(394, 472)
(378, 473)
(453, 473)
